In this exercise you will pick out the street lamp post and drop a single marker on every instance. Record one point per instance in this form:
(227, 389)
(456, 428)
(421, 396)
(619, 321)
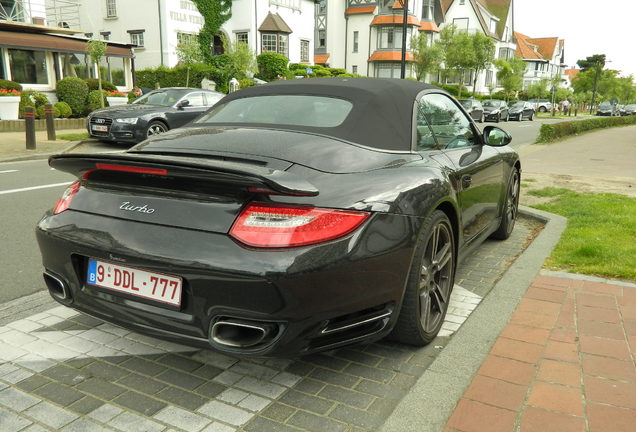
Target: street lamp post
(405, 14)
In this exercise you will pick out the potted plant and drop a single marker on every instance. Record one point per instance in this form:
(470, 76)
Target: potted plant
(116, 98)
(9, 104)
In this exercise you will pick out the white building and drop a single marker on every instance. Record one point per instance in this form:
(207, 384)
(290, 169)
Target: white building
(493, 18)
(39, 46)
(157, 26)
(544, 59)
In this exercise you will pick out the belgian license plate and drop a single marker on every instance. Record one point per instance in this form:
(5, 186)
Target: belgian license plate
(140, 283)
(99, 128)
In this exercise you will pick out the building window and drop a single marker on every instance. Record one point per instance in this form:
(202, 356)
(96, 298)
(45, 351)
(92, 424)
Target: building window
(493, 25)
(461, 23)
(355, 41)
(388, 70)
(111, 8)
(304, 50)
(322, 7)
(322, 38)
(354, 69)
(241, 37)
(88, 35)
(105, 35)
(28, 67)
(488, 78)
(185, 37)
(427, 10)
(3, 74)
(390, 37)
(137, 37)
(276, 42)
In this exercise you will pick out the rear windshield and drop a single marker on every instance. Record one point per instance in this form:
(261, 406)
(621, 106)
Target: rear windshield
(492, 103)
(297, 110)
(518, 105)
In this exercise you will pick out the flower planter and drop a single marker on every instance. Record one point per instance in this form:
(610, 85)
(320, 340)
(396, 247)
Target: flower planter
(9, 107)
(113, 101)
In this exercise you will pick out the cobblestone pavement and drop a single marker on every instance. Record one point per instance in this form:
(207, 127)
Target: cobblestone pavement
(60, 370)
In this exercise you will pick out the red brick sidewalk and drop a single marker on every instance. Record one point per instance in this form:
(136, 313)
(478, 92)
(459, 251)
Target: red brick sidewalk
(564, 362)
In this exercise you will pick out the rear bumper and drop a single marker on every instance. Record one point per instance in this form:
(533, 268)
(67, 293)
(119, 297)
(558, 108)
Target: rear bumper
(313, 298)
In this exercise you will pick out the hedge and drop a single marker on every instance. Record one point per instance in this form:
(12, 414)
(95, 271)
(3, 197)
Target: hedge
(93, 84)
(10, 85)
(176, 77)
(73, 91)
(554, 131)
(33, 99)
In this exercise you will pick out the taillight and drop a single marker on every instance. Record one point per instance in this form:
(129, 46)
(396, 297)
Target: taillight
(64, 202)
(132, 169)
(272, 226)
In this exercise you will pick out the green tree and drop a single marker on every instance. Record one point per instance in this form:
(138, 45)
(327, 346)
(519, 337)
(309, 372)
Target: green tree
(458, 53)
(188, 53)
(483, 54)
(215, 13)
(96, 50)
(242, 60)
(427, 56)
(510, 75)
(538, 90)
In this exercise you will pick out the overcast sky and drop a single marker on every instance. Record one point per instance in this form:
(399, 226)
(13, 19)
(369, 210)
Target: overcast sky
(588, 27)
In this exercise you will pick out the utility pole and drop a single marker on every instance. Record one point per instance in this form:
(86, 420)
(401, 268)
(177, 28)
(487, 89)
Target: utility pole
(405, 9)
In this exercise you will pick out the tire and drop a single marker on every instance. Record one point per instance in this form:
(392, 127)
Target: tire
(429, 285)
(507, 118)
(511, 208)
(156, 128)
(543, 109)
(531, 117)
(481, 119)
(498, 118)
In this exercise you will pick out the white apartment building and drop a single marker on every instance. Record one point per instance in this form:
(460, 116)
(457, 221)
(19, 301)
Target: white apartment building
(157, 26)
(544, 59)
(494, 18)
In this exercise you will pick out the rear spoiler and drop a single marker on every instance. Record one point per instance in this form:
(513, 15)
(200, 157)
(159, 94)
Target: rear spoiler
(241, 174)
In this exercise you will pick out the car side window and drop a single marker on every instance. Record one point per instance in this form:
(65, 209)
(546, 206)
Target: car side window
(448, 126)
(195, 99)
(211, 98)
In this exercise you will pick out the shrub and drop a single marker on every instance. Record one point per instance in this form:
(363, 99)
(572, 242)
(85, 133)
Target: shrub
(552, 131)
(33, 99)
(64, 110)
(246, 82)
(10, 85)
(41, 114)
(271, 65)
(452, 89)
(73, 91)
(337, 71)
(93, 102)
(93, 84)
(176, 77)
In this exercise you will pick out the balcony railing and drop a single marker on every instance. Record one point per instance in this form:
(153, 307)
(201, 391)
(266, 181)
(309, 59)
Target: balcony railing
(52, 13)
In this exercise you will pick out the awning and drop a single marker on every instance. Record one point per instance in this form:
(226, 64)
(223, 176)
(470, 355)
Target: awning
(429, 26)
(394, 19)
(360, 10)
(321, 58)
(274, 23)
(392, 56)
(48, 42)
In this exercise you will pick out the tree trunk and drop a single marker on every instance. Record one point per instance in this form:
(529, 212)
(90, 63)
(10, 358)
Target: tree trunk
(99, 86)
(188, 76)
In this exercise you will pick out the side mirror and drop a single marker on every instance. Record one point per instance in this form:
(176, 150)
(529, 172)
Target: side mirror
(496, 137)
(183, 103)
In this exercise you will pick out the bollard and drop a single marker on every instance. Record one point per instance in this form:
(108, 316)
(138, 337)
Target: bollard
(29, 127)
(50, 123)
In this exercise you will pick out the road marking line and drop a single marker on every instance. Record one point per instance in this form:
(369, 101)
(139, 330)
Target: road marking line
(8, 171)
(34, 188)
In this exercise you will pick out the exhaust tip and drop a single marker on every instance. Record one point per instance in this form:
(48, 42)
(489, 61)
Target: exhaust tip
(57, 287)
(241, 334)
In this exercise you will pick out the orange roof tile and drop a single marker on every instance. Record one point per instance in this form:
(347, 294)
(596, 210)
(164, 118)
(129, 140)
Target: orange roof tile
(360, 10)
(321, 58)
(394, 19)
(545, 46)
(390, 56)
(571, 73)
(525, 49)
(429, 26)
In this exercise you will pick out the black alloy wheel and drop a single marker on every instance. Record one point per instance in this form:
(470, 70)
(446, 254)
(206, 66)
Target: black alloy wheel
(430, 283)
(511, 208)
(531, 116)
(156, 128)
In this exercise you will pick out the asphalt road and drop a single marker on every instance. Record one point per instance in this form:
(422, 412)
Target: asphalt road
(29, 188)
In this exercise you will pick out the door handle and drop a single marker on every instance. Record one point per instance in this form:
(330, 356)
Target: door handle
(466, 181)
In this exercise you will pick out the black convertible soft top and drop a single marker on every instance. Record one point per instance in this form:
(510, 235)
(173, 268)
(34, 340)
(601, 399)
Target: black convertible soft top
(382, 110)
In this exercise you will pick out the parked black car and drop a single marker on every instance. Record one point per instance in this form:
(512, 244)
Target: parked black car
(474, 108)
(608, 109)
(495, 109)
(152, 113)
(521, 110)
(292, 217)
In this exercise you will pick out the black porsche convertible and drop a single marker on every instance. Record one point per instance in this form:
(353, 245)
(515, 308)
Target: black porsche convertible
(290, 218)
